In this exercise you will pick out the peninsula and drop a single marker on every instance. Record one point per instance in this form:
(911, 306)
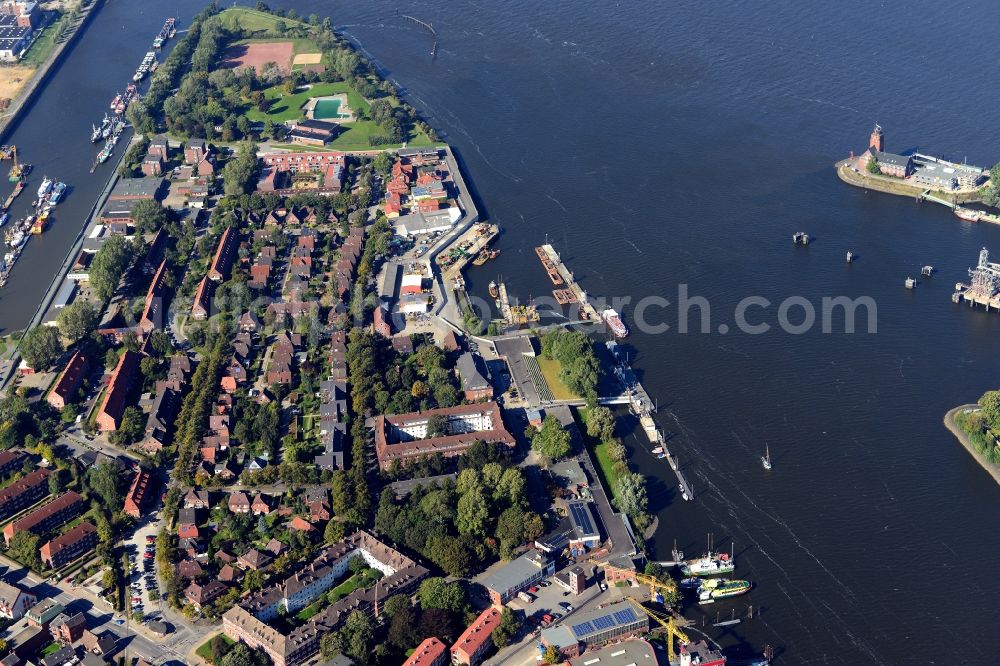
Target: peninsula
(975, 427)
(923, 177)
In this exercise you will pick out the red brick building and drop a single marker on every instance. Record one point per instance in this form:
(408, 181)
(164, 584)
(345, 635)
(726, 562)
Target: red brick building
(137, 494)
(431, 652)
(472, 646)
(70, 379)
(47, 517)
(67, 547)
(118, 392)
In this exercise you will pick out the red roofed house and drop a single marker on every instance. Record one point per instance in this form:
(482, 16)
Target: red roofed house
(69, 546)
(431, 652)
(223, 255)
(187, 531)
(239, 503)
(476, 641)
(301, 525)
(69, 381)
(137, 494)
(117, 394)
(47, 517)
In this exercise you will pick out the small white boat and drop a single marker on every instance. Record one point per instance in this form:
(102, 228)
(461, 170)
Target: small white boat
(765, 459)
(658, 449)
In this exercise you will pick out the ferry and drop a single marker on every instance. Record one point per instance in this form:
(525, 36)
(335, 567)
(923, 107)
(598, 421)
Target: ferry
(57, 193)
(494, 289)
(712, 564)
(45, 187)
(712, 590)
(614, 322)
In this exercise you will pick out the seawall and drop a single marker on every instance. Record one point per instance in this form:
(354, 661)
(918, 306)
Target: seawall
(949, 422)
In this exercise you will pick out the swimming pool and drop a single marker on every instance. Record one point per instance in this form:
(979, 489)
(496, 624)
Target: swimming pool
(327, 108)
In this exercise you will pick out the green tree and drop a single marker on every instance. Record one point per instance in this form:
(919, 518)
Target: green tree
(109, 265)
(240, 172)
(437, 425)
(106, 480)
(438, 593)
(873, 167)
(240, 655)
(132, 427)
(24, 548)
(149, 215)
(601, 423)
(630, 494)
(472, 514)
(40, 347)
(78, 319)
(990, 402)
(552, 441)
(510, 625)
(552, 655)
(359, 636)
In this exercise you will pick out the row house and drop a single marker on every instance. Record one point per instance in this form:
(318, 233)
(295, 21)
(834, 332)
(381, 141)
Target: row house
(11, 461)
(24, 492)
(166, 405)
(70, 379)
(137, 494)
(47, 517)
(154, 306)
(224, 254)
(118, 392)
(15, 602)
(69, 546)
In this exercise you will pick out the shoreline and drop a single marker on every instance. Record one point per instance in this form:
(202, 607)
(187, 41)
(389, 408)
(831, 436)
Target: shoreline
(897, 187)
(949, 423)
(41, 76)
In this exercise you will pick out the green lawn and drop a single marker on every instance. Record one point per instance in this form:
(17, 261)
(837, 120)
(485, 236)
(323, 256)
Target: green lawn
(550, 370)
(355, 135)
(205, 649)
(46, 43)
(599, 452)
(253, 20)
(289, 107)
(309, 611)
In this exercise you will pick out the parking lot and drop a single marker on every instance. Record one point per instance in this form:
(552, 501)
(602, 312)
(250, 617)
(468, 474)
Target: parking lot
(142, 569)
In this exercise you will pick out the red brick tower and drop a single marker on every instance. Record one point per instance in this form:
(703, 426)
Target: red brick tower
(877, 140)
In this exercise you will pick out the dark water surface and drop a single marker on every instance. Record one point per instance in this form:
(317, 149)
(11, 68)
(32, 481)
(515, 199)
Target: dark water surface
(660, 144)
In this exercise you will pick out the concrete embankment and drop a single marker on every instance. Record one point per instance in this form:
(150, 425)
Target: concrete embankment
(894, 186)
(40, 77)
(949, 422)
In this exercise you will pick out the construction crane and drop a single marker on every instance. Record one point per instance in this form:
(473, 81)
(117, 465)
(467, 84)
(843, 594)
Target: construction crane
(653, 583)
(669, 625)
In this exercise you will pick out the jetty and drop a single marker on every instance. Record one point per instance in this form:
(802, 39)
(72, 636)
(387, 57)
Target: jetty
(567, 283)
(643, 407)
(984, 284)
(430, 29)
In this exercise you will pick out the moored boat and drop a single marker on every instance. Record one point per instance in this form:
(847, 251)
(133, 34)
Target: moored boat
(967, 214)
(614, 322)
(712, 590)
(45, 187)
(58, 190)
(712, 564)
(494, 289)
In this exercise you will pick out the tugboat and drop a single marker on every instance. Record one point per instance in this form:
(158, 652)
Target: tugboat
(494, 289)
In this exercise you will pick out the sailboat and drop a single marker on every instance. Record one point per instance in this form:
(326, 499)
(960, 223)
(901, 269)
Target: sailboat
(765, 459)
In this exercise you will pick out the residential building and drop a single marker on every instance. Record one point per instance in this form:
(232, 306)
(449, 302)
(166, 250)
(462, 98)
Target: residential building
(42, 613)
(137, 493)
(239, 502)
(10, 461)
(249, 621)
(475, 377)
(507, 580)
(69, 382)
(118, 392)
(67, 629)
(472, 646)
(24, 492)
(224, 253)
(289, 172)
(47, 517)
(431, 652)
(201, 595)
(15, 602)
(67, 547)
(404, 437)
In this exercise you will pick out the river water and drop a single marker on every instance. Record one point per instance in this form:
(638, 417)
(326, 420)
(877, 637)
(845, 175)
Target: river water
(667, 144)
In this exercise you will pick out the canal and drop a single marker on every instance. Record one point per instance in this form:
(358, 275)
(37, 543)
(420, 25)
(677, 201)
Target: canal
(53, 135)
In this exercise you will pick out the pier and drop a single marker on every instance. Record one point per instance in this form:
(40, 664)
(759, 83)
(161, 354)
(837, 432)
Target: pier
(984, 285)
(587, 311)
(430, 29)
(643, 407)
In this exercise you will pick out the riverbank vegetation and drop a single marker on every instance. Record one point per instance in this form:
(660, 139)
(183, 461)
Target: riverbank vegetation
(991, 192)
(983, 426)
(221, 99)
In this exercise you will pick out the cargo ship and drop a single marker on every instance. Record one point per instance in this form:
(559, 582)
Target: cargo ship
(712, 564)
(712, 590)
(168, 31)
(147, 65)
(614, 322)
